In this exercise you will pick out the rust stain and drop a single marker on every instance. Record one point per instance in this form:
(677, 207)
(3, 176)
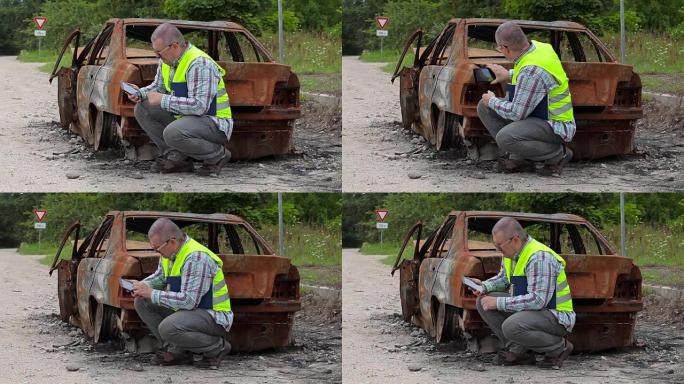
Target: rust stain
(606, 287)
(263, 287)
(439, 94)
(264, 95)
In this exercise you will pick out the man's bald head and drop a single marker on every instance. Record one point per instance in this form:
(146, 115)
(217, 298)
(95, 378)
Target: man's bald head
(164, 229)
(168, 33)
(509, 227)
(509, 34)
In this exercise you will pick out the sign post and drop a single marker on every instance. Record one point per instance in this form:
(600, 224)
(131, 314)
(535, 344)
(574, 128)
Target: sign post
(382, 213)
(381, 33)
(40, 215)
(39, 33)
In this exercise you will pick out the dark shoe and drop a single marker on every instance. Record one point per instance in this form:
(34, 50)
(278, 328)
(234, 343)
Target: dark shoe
(213, 170)
(557, 168)
(510, 358)
(556, 362)
(163, 165)
(513, 166)
(168, 358)
(214, 362)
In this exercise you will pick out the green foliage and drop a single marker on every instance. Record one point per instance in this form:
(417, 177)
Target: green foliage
(407, 15)
(587, 12)
(16, 16)
(246, 12)
(357, 215)
(16, 209)
(308, 52)
(358, 17)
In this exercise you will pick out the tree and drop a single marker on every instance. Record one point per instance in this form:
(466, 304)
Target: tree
(245, 12)
(587, 12)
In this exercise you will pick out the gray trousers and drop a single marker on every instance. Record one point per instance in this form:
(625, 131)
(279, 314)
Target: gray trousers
(194, 331)
(177, 139)
(522, 331)
(529, 139)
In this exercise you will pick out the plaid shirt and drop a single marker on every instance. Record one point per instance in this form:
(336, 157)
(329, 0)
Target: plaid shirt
(541, 271)
(202, 78)
(197, 278)
(533, 84)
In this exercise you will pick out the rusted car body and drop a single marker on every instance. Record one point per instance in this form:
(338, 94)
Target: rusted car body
(439, 94)
(264, 95)
(263, 287)
(606, 287)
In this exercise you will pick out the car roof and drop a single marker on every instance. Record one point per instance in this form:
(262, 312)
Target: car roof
(555, 217)
(564, 25)
(203, 217)
(221, 25)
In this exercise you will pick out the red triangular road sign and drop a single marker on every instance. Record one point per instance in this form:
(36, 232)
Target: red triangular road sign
(382, 21)
(382, 213)
(40, 213)
(40, 21)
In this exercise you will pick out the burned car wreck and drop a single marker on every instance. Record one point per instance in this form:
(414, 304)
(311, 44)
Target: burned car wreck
(439, 92)
(264, 95)
(606, 287)
(263, 287)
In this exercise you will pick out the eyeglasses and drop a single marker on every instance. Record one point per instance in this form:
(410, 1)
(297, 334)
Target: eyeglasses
(499, 246)
(159, 52)
(157, 249)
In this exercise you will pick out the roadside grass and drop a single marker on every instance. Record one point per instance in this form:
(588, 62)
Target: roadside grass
(650, 52)
(663, 83)
(314, 250)
(326, 83)
(389, 56)
(308, 52)
(46, 249)
(388, 249)
(47, 57)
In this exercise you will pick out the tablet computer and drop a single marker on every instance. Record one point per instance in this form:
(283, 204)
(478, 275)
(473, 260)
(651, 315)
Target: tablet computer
(126, 284)
(130, 89)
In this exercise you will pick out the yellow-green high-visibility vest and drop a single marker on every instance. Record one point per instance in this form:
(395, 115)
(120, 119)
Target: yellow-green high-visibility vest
(220, 106)
(217, 297)
(559, 99)
(561, 300)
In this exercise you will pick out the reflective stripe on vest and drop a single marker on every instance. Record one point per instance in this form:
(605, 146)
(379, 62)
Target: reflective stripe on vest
(559, 99)
(220, 106)
(561, 300)
(217, 297)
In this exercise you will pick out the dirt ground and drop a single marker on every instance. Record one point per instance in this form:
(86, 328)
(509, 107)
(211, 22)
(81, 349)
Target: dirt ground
(37, 347)
(379, 347)
(381, 156)
(37, 154)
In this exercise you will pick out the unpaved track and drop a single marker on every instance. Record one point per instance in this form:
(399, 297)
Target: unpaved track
(33, 340)
(36, 154)
(379, 347)
(379, 154)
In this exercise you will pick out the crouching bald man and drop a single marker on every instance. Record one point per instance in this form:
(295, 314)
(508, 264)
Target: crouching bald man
(185, 303)
(539, 313)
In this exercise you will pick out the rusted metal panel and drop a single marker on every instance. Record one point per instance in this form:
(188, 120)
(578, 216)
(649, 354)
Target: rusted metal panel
(606, 288)
(606, 95)
(264, 95)
(264, 288)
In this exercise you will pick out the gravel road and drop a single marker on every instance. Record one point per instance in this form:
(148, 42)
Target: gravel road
(37, 155)
(379, 347)
(36, 347)
(381, 156)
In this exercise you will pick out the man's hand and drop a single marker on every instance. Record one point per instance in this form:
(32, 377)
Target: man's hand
(501, 74)
(154, 98)
(487, 96)
(488, 303)
(141, 290)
